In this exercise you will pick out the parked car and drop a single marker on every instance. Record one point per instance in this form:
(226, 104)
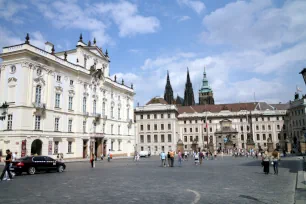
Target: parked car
(143, 153)
(33, 164)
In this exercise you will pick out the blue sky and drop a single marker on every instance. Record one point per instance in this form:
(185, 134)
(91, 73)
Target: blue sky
(247, 46)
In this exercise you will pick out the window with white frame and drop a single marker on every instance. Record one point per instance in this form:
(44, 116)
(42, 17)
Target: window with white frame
(69, 125)
(112, 128)
(69, 146)
(119, 130)
(71, 82)
(94, 127)
(128, 113)
(103, 128)
(37, 122)
(103, 108)
(119, 114)
(84, 104)
(119, 145)
(112, 112)
(56, 147)
(38, 94)
(70, 102)
(112, 145)
(84, 126)
(58, 78)
(56, 124)
(94, 107)
(57, 100)
(9, 122)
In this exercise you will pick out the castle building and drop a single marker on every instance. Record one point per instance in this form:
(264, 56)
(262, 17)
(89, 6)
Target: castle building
(63, 102)
(206, 95)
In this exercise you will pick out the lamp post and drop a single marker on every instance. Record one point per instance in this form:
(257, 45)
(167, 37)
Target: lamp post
(3, 110)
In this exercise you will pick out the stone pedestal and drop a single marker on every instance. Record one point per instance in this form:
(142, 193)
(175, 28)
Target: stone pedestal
(180, 146)
(250, 146)
(303, 147)
(289, 147)
(270, 146)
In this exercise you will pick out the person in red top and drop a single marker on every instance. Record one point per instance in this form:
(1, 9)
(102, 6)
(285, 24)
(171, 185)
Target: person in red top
(7, 161)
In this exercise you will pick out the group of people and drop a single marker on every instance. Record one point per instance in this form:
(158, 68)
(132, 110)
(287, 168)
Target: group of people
(273, 159)
(6, 173)
(93, 158)
(198, 156)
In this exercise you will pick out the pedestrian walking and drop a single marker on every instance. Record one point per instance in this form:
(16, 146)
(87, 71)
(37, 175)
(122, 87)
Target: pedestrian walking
(92, 159)
(266, 162)
(171, 158)
(180, 158)
(275, 160)
(109, 155)
(6, 168)
(168, 158)
(201, 155)
(186, 155)
(196, 158)
(163, 159)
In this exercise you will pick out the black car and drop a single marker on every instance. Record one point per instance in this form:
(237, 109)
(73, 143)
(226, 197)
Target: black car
(33, 164)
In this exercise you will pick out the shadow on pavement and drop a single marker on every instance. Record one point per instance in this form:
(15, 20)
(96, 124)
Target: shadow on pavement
(293, 165)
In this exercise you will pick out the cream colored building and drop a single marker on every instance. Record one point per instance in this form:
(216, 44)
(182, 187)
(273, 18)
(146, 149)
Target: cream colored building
(225, 122)
(64, 102)
(156, 127)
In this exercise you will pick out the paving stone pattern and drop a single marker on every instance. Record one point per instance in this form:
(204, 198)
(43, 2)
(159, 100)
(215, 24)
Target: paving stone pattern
(231, 180)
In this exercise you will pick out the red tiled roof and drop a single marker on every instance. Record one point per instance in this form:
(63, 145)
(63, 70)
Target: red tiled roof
(157, 100)
(234, 107)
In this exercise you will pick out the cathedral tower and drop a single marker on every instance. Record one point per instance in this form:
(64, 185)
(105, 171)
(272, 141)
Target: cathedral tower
(168, 95)
(206, 95)
(188, 95)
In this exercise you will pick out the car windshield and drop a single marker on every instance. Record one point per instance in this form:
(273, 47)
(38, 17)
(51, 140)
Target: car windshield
(23, 158)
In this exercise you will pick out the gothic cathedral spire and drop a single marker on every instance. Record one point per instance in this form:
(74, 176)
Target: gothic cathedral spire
(168, 95)
(188, 95)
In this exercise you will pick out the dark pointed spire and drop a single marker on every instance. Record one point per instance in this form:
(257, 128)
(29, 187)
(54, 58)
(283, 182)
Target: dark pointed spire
(52, 50)
(95, 42)
(122, 82)
(188, 95)
(89, 43)
(168, 94)
(132, 86)
(27, 39)
(115, 78)
(81, 38)
(106, 53)
(65, 56)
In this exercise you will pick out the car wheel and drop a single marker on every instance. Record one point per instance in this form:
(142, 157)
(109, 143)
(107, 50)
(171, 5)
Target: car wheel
(31, 170)
(60, 169)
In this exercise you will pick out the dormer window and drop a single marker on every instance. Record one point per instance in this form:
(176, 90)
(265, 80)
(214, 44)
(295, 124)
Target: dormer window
(13, 69)
(58, 78)
(71, 82)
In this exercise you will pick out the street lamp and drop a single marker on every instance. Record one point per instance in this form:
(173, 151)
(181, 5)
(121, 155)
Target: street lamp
(303, 72)
(3, 110)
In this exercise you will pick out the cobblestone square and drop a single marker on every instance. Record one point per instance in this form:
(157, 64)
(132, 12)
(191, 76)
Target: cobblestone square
(231, 180)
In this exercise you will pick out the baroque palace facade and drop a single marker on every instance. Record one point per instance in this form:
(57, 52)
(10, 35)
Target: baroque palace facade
(165, 123)
(63, 102)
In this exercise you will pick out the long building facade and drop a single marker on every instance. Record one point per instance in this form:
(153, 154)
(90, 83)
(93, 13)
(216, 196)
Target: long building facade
(222, 126)
(63, 102)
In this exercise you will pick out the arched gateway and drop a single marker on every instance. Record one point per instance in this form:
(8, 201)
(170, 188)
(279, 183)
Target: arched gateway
(36, 147)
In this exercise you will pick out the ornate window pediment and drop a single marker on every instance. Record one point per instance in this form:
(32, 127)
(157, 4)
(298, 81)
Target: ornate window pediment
(112, 103)
(58, 89)
(11, 80)
(85, 94)
(39, 80)
(71, 92)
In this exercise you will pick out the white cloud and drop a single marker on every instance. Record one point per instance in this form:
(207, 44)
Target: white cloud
(37, 39)
(184, 18)
(136, 51)
(125, 15)
(197, 6)
(256, 24)
(9, 9)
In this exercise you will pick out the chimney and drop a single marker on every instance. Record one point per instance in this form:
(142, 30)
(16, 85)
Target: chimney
(48, 47)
